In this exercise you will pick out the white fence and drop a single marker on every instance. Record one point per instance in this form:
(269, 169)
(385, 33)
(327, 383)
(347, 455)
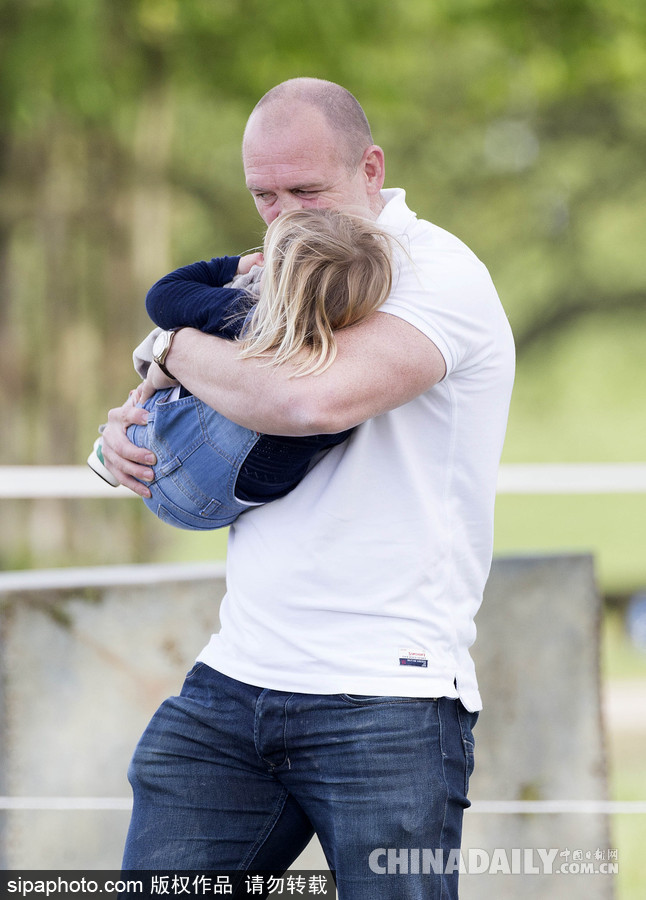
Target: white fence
(34, 482)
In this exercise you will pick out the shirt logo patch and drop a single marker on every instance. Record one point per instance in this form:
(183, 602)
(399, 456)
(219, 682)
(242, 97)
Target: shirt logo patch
(413, 658)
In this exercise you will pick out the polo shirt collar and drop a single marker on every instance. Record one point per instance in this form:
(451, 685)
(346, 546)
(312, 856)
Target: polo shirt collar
(395, 213)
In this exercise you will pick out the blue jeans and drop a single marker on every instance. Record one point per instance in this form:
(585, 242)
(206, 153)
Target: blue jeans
(199, 455)
(233, 777)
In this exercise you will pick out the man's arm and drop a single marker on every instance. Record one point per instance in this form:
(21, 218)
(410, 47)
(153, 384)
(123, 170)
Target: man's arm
(381, 363)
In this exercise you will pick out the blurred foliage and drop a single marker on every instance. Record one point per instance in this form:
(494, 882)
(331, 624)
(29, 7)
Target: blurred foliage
(519, 126)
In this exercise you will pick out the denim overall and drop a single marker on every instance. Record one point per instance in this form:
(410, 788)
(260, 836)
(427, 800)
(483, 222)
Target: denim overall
(199, 455)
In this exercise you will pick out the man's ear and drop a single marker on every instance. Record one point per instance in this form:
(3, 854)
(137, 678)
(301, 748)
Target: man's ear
(374, 168)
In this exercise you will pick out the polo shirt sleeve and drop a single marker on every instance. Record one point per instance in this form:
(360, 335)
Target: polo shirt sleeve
(442, 289)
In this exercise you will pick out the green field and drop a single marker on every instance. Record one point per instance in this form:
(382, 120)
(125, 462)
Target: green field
(580, 401)
(610, 527)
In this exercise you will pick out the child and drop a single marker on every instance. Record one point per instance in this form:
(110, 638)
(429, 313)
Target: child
(323, 270)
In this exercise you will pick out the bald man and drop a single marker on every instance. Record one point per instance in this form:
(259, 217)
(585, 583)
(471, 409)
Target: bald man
(339, 695)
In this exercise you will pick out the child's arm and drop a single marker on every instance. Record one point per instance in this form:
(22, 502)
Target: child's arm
(194, 296)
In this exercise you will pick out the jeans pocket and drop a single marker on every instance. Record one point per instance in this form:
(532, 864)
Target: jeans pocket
(467, 723)
(196, 685)
(196, 668)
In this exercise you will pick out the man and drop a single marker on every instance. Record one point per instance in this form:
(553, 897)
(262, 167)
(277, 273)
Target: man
(339, 695)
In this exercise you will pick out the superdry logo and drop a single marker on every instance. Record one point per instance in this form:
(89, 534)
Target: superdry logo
(408, 657)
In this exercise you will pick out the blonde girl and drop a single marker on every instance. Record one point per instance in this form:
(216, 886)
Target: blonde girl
(320, 271)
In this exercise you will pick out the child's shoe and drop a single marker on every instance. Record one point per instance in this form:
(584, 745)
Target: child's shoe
(96, 462)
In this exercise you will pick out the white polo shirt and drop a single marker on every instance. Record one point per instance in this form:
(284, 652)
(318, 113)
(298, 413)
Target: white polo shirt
(366, 578)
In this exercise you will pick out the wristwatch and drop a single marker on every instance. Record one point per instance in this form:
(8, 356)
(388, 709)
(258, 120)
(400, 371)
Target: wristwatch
(161, 348)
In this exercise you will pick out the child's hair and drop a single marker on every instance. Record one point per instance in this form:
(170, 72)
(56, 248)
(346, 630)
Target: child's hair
(324, 270)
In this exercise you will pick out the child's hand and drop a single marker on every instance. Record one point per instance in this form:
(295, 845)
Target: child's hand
(155, 381)
(249, 261)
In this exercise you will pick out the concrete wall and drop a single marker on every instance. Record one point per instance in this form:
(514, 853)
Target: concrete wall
(540, 736)
(88, 654)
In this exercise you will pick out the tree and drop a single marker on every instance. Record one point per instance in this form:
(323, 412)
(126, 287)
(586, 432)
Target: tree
(521, 127)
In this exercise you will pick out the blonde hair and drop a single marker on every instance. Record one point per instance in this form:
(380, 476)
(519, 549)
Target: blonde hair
(324, 270)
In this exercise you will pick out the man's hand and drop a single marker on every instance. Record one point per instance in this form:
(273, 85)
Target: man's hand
(129, 463)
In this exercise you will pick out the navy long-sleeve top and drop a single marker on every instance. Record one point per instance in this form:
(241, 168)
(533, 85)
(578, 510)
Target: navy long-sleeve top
(196, 296)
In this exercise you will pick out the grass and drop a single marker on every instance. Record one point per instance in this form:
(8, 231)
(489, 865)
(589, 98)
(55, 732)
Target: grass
(608, 526)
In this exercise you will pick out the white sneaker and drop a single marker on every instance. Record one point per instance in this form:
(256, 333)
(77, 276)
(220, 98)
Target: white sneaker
(96, 462)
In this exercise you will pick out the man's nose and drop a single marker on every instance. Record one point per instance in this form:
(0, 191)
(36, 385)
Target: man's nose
(289, 203)
(286, 203)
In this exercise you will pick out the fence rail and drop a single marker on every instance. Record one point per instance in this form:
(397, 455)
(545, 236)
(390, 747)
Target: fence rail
(490, 807)
(35, 482)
